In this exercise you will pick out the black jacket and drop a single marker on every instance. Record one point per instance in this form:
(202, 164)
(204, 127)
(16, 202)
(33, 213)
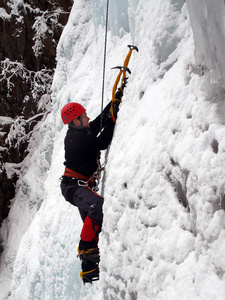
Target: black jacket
(82, 146)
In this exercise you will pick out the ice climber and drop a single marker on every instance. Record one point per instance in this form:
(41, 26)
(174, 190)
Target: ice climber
(83, 143)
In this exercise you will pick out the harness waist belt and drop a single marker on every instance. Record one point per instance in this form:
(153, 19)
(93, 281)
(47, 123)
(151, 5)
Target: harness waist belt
(70, 173)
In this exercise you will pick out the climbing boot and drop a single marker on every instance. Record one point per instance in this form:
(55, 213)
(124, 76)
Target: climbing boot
(88, 251)
(90, 271)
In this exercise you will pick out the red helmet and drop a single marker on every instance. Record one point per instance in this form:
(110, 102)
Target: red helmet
(71, 111)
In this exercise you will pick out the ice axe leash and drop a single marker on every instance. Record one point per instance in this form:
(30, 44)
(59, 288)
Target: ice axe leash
(123, 70)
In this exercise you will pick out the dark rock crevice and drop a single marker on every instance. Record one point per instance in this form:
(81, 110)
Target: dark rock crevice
(19, 64)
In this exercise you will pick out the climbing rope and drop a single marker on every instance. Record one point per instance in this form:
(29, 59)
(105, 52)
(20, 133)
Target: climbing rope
(103, 78)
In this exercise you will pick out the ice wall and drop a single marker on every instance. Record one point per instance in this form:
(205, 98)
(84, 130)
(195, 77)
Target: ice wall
(163, 230)
(118, 22)
(208, 22)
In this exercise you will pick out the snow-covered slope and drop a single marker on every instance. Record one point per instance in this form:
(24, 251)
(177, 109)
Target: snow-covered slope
(163, 231)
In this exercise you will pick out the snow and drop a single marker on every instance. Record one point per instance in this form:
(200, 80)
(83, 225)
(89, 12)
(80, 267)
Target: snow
(5, 120)
(163, 230)
(4, 14)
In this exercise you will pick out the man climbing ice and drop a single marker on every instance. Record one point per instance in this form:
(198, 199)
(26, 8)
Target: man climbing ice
(83, 143)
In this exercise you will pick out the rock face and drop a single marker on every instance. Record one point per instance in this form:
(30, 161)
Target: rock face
(29, 33)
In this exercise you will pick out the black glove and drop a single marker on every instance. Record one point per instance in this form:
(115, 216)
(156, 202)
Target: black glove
(119, 94)
(115, 107)
(124, 83)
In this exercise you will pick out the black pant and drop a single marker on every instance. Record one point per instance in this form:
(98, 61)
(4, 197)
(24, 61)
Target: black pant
(88, 202)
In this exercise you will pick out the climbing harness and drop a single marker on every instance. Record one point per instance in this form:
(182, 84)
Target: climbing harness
(70, 173)
(92, 182)
(82, 180)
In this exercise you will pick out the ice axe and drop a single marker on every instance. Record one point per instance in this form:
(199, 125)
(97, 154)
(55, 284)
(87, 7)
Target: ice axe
(123, 69)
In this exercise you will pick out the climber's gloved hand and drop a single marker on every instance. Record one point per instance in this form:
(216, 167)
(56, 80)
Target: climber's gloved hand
(119, 94)
(114, 108)
(116, 105)
(125, 80)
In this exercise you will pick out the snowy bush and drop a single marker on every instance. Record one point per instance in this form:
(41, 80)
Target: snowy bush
(40, 81)
(41, 28)
(19, 130)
